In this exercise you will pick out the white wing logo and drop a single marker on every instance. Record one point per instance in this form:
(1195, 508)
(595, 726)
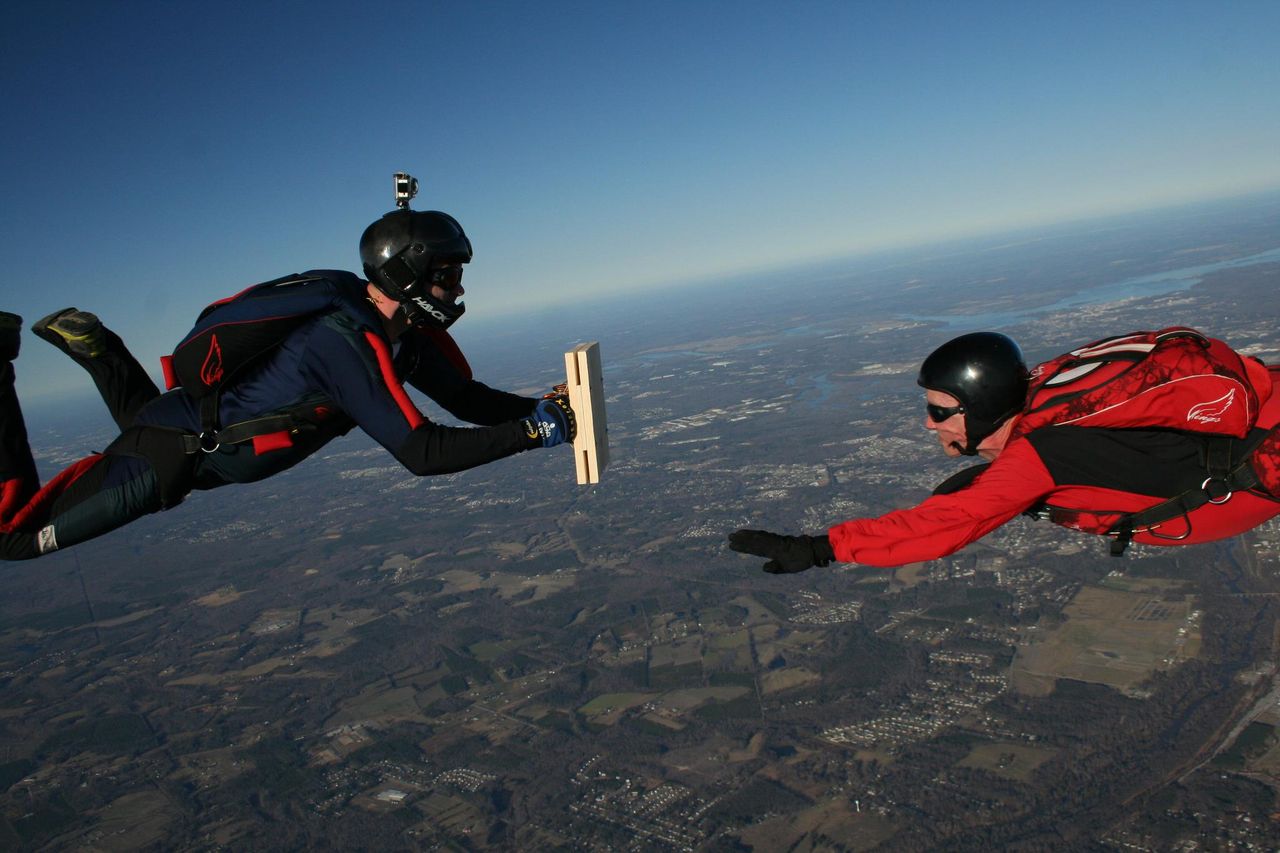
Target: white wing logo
(1212, 412)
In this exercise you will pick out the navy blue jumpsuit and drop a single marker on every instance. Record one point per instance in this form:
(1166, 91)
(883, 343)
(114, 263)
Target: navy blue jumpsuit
(337, 368)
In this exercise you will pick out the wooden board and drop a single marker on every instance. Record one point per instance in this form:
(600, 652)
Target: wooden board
(586, 396)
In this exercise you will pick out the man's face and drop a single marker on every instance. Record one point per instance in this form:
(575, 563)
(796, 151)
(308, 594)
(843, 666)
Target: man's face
(446, 283)
(950, 432)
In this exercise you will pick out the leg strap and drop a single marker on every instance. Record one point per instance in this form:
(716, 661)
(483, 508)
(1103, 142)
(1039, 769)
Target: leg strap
(165, 450)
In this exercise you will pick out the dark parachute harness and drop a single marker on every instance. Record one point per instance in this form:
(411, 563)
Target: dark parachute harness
(1226, 462)
(230, 336)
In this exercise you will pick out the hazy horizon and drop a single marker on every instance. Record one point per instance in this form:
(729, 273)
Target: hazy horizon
(476, 331)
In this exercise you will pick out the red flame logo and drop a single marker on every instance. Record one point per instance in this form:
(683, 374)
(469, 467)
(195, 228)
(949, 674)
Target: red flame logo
(211, 370)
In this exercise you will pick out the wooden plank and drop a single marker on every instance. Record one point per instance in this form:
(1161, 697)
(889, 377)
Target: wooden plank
(586, 396)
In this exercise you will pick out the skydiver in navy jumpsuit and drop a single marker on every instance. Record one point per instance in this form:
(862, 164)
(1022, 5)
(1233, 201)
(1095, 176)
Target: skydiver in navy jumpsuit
(338, 367)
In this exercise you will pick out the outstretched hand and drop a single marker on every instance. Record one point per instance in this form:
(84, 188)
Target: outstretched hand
(787, 554)
(552, 421)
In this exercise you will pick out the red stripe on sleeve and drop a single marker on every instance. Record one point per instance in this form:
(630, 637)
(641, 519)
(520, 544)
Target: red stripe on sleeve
(383, 353)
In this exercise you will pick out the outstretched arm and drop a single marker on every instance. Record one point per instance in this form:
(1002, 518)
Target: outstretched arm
(357, 373)
(945, 523)
(430, 361)
(941, 525)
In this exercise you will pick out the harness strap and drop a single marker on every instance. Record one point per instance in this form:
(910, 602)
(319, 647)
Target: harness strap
(210, 440)
(209, 429)
(1227, 464)
(172, 452)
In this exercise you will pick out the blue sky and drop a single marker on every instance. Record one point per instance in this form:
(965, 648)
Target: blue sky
(163, 154)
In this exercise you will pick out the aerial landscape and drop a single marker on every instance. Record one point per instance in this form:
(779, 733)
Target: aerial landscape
(501, 659)
(766, 219)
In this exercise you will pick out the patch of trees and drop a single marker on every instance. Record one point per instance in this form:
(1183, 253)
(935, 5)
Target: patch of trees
(422, 586)
(1255, 740)
(983, 604)
(400, 744)
(14, 771)
(40, 822)
(864, 659)
(467, 666)
(675, 677)
(756, 800)
(1191, 810)
(55, 620)
(107, 735)
(280, 769)
(715, 711)
(731, 679)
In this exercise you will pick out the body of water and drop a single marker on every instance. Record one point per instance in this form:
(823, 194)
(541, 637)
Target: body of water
(1156, 284)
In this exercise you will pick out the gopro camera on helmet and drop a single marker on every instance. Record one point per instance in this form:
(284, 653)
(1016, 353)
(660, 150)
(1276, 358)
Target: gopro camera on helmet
(406, 189)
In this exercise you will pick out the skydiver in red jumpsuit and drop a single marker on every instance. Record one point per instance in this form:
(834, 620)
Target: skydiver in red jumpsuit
(1085, 478)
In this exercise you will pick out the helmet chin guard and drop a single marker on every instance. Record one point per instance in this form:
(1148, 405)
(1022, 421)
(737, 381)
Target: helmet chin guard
(425, 310)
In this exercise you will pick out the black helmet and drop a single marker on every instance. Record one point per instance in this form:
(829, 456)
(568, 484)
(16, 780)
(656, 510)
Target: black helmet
(399, 252)
(986, 373)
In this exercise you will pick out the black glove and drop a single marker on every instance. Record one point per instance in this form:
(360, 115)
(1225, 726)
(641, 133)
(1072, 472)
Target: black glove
(787, 554)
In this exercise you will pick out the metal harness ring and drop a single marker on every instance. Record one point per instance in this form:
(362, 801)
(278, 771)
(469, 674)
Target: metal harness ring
(1219, 501)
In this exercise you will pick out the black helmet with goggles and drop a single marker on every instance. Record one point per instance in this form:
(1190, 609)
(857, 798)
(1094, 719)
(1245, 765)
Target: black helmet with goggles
(986, 373)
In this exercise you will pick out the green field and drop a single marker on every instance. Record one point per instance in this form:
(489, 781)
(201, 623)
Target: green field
(1111, 636)
(612, 702)
(489, 651)
(1011, 760)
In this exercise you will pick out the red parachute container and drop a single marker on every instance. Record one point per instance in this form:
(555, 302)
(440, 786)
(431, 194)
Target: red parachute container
(1175, 378)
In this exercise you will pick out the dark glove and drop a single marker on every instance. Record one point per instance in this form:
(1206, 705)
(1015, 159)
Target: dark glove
(787, 554)
(552, 421)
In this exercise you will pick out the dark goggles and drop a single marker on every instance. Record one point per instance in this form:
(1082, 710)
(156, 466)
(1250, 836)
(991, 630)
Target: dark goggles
(446, 278)
(938, 414)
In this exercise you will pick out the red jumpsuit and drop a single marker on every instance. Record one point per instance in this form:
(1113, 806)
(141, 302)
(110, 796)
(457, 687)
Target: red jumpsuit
(1080, 470)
